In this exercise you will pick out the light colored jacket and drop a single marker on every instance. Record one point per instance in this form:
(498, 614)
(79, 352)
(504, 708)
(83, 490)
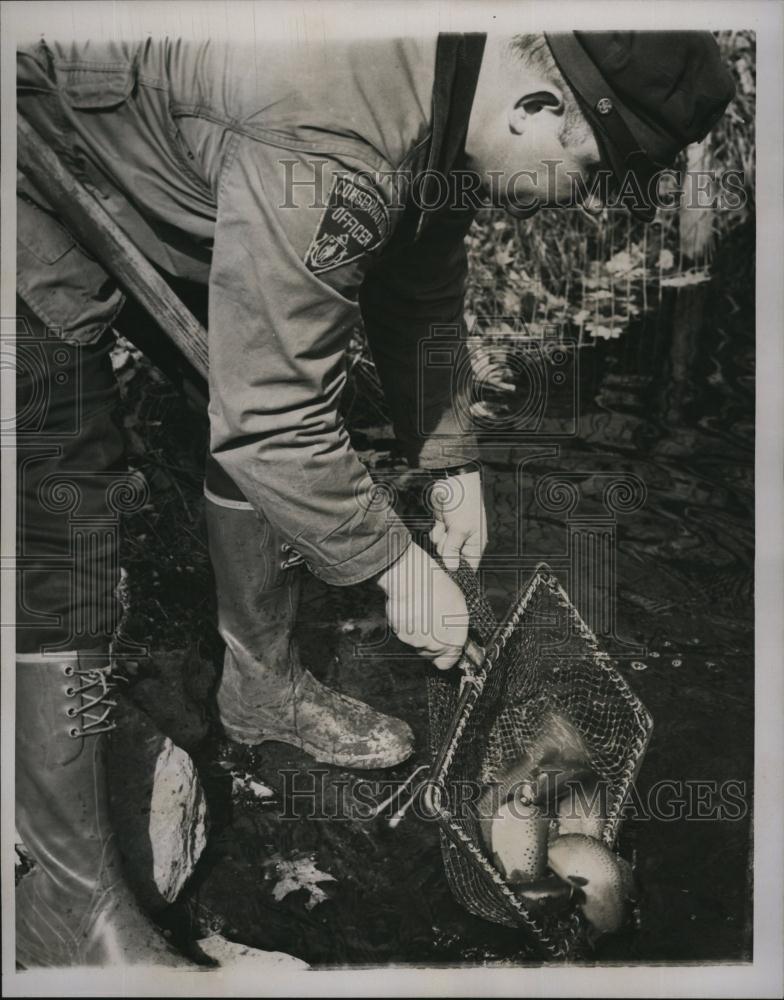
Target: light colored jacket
(285, 180)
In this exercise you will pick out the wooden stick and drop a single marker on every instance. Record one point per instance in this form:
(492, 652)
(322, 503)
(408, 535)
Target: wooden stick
(100, 234)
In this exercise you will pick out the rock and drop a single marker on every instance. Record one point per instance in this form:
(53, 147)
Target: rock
(231, 954)
(159, 810)
(178, 820)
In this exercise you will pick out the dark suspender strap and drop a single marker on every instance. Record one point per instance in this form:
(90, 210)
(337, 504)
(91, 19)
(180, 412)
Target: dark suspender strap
(468, 62)
(458, 61)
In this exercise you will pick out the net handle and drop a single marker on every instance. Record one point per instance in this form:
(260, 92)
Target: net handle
(481, 627)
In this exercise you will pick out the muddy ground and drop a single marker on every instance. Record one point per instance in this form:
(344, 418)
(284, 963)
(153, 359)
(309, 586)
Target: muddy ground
(671, 402)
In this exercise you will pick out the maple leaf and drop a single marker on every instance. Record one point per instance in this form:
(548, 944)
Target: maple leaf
(300, 873)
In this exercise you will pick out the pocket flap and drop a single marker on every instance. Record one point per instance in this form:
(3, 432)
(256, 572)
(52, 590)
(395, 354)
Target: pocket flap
(95, 85)
(40, 233)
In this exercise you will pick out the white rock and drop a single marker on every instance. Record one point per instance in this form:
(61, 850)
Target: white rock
(245, 783)
(178, 819)
(232, 954)
(259, 790)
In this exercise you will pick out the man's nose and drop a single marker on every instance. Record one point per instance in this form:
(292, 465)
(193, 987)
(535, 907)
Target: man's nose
(592, 204)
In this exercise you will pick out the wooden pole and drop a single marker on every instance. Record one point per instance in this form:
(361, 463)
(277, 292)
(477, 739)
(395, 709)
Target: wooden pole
(101, 235)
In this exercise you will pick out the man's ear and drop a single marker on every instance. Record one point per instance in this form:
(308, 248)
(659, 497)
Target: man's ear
(545, 96)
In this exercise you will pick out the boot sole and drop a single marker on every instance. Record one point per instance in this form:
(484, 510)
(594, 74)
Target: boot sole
(367, 762)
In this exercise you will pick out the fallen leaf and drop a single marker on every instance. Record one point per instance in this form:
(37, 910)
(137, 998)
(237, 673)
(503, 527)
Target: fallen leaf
(300, 873)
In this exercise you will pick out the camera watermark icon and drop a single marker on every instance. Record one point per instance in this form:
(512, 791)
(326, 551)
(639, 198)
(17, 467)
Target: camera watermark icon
(510, 384)
(588, 504)
(48, 373)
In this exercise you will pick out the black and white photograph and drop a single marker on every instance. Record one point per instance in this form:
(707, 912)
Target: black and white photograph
(392, 527)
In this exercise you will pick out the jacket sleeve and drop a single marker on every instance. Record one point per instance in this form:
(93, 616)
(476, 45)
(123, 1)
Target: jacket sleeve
(412, 308)
(278, 336)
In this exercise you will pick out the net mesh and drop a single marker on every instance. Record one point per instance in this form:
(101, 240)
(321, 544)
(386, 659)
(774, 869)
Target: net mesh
(542, 661)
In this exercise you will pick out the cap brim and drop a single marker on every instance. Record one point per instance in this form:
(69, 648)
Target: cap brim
(617, 163)
(620, 148)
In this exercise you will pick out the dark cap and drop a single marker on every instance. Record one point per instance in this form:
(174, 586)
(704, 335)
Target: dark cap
(646, 94)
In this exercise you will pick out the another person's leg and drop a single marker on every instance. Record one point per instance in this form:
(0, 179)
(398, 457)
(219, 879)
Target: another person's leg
(74, 908)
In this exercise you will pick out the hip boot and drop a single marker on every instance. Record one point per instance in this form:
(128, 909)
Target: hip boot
(265, 693)
(74, 908)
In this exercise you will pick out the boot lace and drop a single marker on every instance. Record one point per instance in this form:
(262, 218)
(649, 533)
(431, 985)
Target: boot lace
(95, 704)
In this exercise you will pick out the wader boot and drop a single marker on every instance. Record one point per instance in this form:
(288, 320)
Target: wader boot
(74, 908)
(265, 693)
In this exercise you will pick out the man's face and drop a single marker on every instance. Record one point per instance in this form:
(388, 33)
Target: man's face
(520, 144)
(537, 169)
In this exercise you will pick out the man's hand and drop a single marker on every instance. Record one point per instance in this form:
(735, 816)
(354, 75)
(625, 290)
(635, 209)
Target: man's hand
(425, 608)
(461, 523)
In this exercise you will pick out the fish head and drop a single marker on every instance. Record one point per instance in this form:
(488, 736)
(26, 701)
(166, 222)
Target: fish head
(596, 870)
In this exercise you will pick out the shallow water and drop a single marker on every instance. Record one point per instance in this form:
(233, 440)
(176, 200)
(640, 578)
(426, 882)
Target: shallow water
(672, 404)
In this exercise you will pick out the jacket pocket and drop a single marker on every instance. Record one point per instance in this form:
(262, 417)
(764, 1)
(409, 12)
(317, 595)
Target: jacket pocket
(64, 287)
(91, 86)
(41, 234)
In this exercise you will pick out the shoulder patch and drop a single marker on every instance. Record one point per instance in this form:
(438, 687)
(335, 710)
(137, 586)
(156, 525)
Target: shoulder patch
(355, 221)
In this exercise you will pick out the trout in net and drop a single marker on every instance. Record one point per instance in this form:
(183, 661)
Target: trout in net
(535, 746)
